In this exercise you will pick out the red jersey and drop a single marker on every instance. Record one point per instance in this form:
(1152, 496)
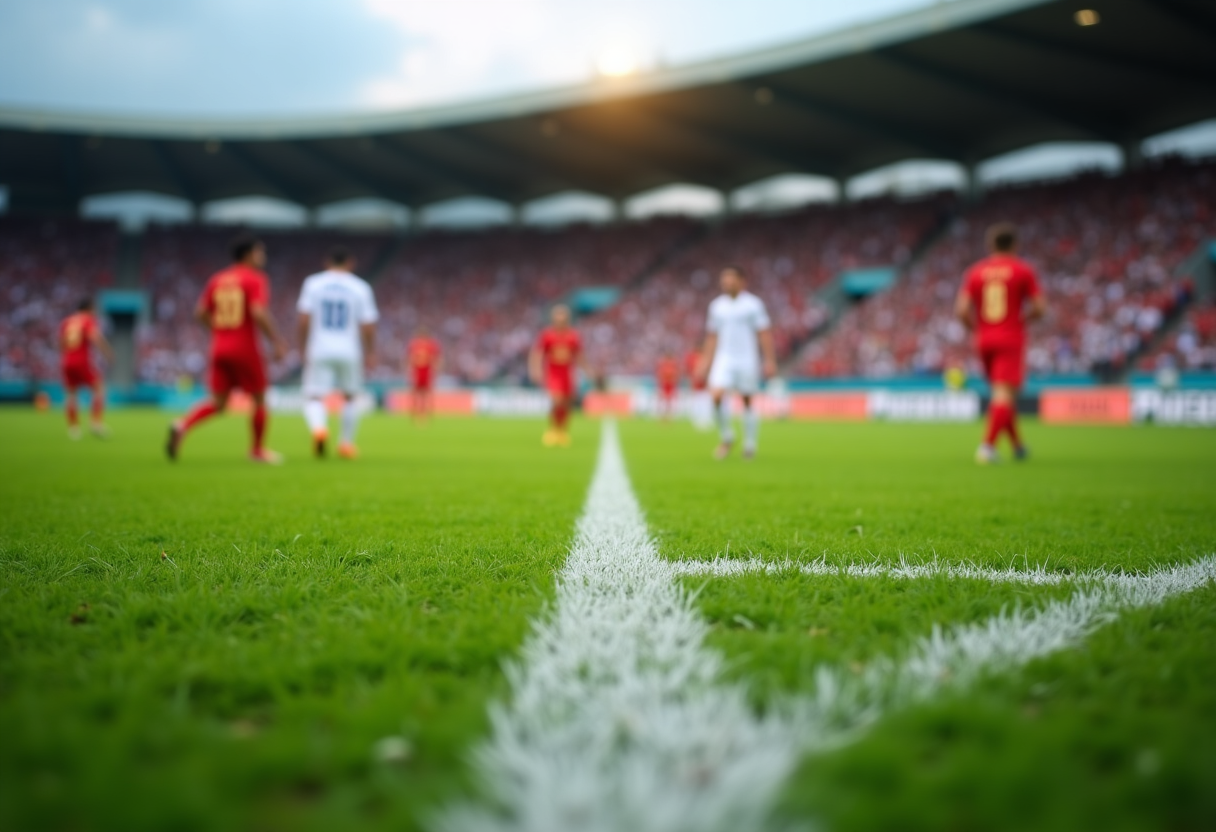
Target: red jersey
(692, 361)
(668, 372)
(560, 349)
(228, 298)
(999, 287)
(423, 353)
(76, 335)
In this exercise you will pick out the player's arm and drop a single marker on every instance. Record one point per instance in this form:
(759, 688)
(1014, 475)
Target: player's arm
(964, 309)
(367, 334)
(767, 352)
(535, 359)
(303, 328)
(103, 346)
(707, 355)
(265, 323)
(1038, 307)
(202, 313)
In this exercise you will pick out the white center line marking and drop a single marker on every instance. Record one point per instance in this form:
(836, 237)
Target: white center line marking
(619, 720)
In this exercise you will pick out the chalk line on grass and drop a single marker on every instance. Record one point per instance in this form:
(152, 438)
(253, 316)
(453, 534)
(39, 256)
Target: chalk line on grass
(619, 720)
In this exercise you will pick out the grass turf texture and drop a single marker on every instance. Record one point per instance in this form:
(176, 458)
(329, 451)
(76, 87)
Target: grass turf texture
(306, 612)
(303, 613)
(1118, 734)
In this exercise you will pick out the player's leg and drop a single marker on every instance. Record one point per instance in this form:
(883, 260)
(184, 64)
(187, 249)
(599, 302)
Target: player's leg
(721, 381)
(317, 384)
(251, 377)
(751, 427)
(986, 453)
(221, 382)
(349, 382)
(71, 409)
(97, 409)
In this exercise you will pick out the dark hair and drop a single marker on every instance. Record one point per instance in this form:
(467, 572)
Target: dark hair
(339, 255)
(1003, 236)
(737, 269)
(85, 305)
(241, 245)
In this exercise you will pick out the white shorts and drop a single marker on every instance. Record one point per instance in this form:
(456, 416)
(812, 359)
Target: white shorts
(323, 376)
(739, 379)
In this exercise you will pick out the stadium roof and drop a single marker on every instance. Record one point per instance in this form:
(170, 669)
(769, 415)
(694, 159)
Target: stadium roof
(963, 81)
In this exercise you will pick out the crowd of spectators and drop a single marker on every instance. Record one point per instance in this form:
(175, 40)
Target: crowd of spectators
(788, 259)
(484, 294)
(1107, 250)
(46, 268)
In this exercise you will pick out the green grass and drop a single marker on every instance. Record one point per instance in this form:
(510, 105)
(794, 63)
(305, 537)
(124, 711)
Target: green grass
(304, 613)
(1117, 735)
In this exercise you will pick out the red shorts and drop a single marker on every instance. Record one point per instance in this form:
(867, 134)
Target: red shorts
(667, 391)
(79, 375)
(1004, 365)
(560, 384)
(229, 373)
(422, 379)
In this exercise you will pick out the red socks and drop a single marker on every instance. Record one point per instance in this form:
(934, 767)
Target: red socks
(561, 414)
(1002, 418)
(204, 411)
(98, 408)
(259, 426)
(72, 413)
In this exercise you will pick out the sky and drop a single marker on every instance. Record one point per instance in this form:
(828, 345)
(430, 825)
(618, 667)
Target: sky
(259, 57)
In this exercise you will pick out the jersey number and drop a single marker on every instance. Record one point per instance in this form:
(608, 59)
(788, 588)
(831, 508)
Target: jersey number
(334, 314)
(229, 308)
(995, 302)
(72, 336)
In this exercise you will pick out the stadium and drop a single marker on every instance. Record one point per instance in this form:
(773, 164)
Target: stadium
(633, 570)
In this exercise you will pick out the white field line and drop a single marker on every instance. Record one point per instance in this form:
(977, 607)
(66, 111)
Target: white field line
(721, 567)
(619, 721)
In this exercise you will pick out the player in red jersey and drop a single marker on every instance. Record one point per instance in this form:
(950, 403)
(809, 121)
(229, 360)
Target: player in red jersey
(235, 305)
(78, 334)
(702, 403)
(667, 378)
(424, 358)
(553, 360)
(1000, 295)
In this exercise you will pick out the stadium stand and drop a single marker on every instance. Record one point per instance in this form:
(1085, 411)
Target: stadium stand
(789, 258)
(46, 266)
(1107, 250)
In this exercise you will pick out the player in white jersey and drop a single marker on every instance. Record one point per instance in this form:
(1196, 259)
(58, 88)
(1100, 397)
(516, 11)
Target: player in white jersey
(337, 334)
(738, 356)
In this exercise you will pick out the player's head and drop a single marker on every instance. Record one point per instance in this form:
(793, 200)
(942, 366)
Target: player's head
(1002, 238)
(85, 305)
(340, 257)
(733, 280)
(248, 250)
(559, 315)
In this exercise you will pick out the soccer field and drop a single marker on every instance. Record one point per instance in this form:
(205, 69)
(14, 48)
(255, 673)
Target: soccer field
(214, 645)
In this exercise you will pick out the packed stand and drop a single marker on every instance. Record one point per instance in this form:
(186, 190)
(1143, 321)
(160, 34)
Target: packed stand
(1191, 347)
(788, 259)
(178, 260)
(1107, 250)
(484, 294)
(46, 268)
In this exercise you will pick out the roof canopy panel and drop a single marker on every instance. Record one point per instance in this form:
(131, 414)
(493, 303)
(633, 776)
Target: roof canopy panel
(962, 81)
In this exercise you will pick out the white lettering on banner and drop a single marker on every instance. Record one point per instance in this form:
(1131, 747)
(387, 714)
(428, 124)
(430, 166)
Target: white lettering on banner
(924, 407)
(511, 402)
(291, 400)
(1175, 407)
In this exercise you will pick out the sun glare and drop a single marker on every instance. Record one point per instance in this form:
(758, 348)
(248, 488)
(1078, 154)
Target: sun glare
(617, 63)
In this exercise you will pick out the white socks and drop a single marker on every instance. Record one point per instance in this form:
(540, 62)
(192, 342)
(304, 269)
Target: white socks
(722, 412)
(315, 415)
(751, 427)
(350, 420)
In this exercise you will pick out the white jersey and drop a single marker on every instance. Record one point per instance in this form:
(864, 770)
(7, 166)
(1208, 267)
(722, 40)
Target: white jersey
(337, 303)
(737, 321)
